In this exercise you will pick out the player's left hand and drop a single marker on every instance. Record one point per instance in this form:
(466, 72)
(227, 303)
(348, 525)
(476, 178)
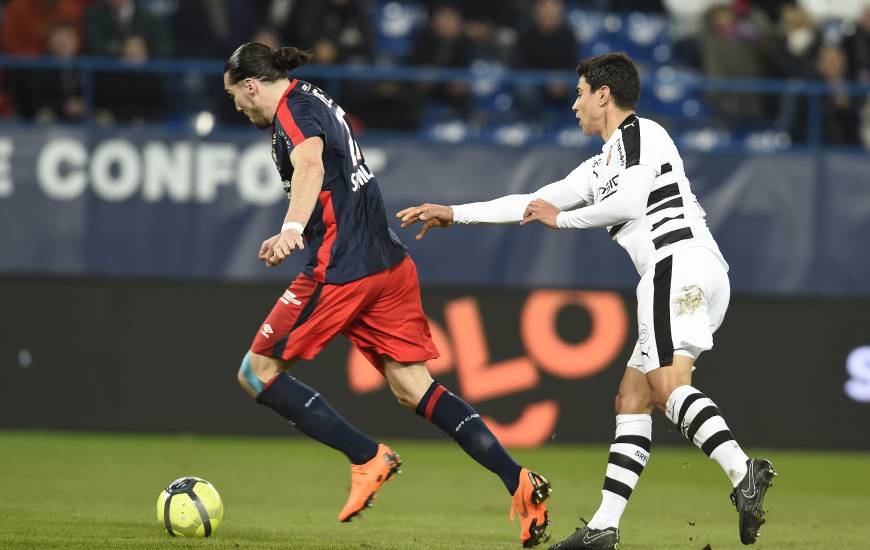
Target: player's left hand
(284, 245)
(541, 211)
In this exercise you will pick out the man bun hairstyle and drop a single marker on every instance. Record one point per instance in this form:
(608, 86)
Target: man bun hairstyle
(616, 71)
(255, 60)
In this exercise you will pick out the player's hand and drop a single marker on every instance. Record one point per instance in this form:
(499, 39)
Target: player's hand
(430, 215)
(285, 243)
(266, 249)
(541, 211)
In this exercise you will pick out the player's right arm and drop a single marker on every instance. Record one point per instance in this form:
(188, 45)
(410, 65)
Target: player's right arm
(569, 192)
(308, 171)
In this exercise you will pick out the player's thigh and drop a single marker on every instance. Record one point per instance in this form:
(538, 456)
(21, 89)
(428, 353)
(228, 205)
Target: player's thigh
(645, 355)
(633, 396)
(393, 323)
(700, 293)
(681, 302)
(306, 317)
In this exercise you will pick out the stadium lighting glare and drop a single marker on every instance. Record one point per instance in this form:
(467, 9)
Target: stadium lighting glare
(203, 123)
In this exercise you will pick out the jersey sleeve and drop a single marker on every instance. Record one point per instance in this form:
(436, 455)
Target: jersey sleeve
(302, 120)
(628, 202)
(570, 192)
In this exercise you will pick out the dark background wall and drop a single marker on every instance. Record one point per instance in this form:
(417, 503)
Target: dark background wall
(149, 355)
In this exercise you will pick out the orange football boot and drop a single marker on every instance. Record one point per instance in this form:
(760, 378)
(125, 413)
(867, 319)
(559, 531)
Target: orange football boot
(366, 479)
(528, 503)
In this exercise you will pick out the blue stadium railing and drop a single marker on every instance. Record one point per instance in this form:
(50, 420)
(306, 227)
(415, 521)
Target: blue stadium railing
(335, 75)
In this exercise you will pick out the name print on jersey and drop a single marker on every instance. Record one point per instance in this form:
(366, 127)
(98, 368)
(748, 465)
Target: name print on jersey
(361, 173)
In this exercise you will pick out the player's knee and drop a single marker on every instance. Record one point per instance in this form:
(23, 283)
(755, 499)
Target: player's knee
(254, 371)
(660, 396)
(629, 403)
(406, 399)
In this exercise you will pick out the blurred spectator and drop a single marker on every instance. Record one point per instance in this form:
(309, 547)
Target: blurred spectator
(547, 44)
(857, 49)
(490, 27)
(840, 112)
(48, 95)
(735, 43)
(130, 97)
(444, 44)
(214, 28)
(26, 23)
(798, 42)
(687, 16)
(108, 24)
(336, 31)
(267, 36)
(826, 10)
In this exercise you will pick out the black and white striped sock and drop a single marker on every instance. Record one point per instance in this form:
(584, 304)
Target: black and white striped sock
(699, 420)
(629, 453)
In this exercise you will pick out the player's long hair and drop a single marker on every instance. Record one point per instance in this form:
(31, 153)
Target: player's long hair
(255, 60)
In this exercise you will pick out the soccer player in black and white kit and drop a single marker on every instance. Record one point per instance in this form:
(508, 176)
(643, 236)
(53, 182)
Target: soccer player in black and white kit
(637, 188)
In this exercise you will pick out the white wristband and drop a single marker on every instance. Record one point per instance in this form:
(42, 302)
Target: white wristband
(293, 225)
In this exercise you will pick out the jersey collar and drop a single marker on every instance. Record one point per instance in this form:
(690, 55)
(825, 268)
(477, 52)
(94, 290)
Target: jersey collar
(284, 98)
(618, 132)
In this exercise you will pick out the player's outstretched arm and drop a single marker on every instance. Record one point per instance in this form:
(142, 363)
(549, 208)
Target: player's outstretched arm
(627, 202)
(507, 209)
(430, 215)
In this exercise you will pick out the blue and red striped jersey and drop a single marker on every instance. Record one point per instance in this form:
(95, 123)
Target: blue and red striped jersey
(347, 235)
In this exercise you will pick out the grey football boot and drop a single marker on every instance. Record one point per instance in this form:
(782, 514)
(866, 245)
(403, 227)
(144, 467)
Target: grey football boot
(748, 497)
(587, 538)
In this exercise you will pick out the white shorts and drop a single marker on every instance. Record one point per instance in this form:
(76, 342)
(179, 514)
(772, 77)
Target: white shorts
(680, 304)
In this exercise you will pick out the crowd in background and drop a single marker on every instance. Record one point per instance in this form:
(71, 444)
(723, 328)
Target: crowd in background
(807, 39)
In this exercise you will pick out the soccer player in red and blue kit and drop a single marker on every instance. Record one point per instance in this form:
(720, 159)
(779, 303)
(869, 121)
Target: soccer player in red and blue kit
(359, 281)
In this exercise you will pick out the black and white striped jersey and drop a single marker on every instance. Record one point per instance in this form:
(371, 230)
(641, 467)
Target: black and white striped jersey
(673, 219)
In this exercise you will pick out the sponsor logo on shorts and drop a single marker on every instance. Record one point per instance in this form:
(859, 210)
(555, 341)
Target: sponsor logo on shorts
(266, 330)
(290, 298)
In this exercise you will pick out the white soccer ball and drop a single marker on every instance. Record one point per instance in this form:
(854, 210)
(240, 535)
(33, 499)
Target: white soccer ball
(190, 507)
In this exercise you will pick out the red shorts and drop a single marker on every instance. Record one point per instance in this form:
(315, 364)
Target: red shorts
(380, 314)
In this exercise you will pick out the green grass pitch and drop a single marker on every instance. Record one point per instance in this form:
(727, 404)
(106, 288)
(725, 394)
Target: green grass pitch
(93, 491)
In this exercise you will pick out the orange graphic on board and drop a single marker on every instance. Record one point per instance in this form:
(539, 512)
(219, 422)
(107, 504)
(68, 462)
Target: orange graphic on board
(463, 346)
